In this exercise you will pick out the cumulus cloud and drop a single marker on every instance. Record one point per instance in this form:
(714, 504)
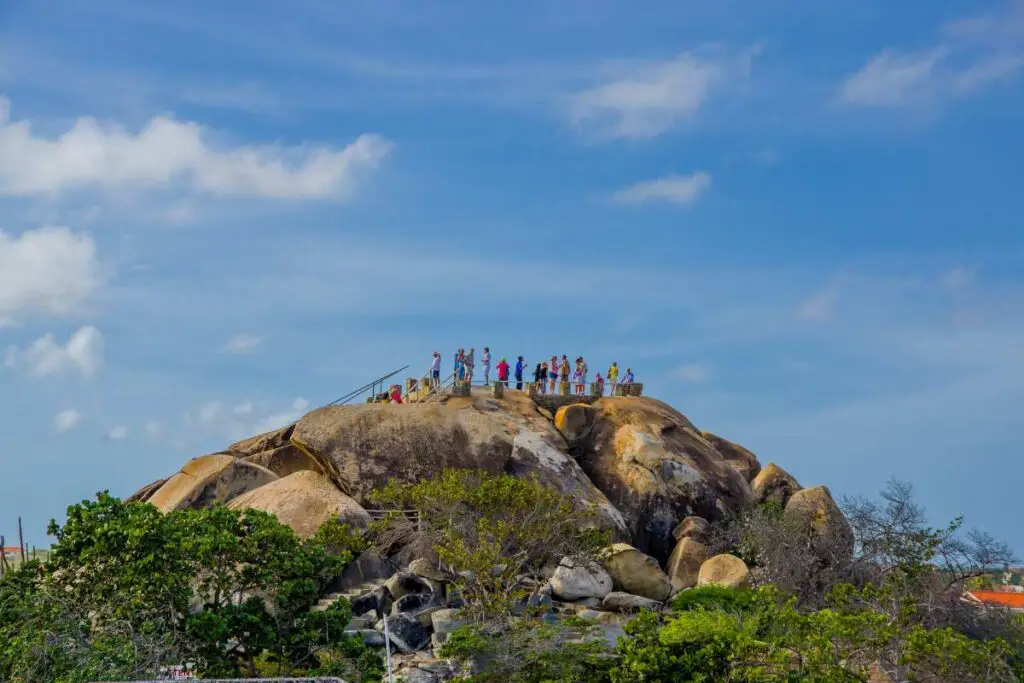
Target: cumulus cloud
(693, 372)
(972, 54)
(167, 152)
(49, 271)
(118, 433)
(645, 99)
(82, 353)
(66, 420)
(242, 344)
(674, 189)
(153, 429)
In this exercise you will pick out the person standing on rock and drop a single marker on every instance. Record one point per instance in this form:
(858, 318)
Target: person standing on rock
(485, 358)
(435, 369)
(613, 376)
(470, 364)
(599, 385)
(459, 370)
(503, 371)
(583, 376)
(553, 373)
(563, 370)
(540, 376)
(520, 367)
(627, 379)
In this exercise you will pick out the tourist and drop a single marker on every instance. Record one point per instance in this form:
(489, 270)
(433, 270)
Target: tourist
(577, 374)
(563, 370)
(599, 385)
(396, 393)
(613, 376)
(435, 369)
(540, 377)
(485, 358)
(553, 373)
(470, 364)
(460, 366)
(520, 367)
(583, 374)
(502, 369)
(627, 379)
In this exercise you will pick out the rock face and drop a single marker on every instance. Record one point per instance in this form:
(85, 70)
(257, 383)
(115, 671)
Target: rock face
(575, 421)
(624, 602)
(696, 528)
(813, 512)
(738, 457)
(636, 573)
(209, 479)
(774, 485)
(304, 500)
(573, 581)
(656, 468)
(724, 570)
(685, 562)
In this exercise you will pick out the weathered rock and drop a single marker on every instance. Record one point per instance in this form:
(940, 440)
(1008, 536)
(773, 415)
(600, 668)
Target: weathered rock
(416, 675)
(738, 457)
(724, 570)
(146, 492)
(774, 485)
(411, 602)
(587, 604)
(406, 632)
(574, 580)
(574, 421)
(369, 566)
(625, 602)
(694, 527)
(370, 602)
(428, 570)
(370, 637)
(534, 603)
(656, 468)
(304, 501)
(685, 562)
(404, 583)
(634, 572)
(813, 512)
(267, 441)
(210, 479)
(447, 620)
(285, 460)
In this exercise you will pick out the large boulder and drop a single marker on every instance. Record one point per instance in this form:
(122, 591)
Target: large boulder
(724, 570)
(574, 421)
(738, 457)
(634, 572)
(774, 485)
(406, 632)
(684, 564)
(304, 501)
(267, 441)
(575, 580)
(285, 460)
(210, 479)
(656, 469)
(693, 527)
(146, 492)
(812, 513)
(618, 601)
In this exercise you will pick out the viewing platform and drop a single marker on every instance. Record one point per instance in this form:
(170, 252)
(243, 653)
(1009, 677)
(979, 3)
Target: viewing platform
(422, 390)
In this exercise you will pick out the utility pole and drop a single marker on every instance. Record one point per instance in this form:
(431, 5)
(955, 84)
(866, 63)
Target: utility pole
(21, 541)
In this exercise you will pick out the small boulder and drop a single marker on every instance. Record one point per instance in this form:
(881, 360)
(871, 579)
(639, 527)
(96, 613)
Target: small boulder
(573, 580)
(369, 566)
(368, 602)
(693, 527)
(724, 570)
(411, 602)
(406, 632)
(774, 485)
(685, 562)
(636, 573)
(403, 583)
(446, 620)
(574, 421)
(812, 512)
(618, 601)
(428, 570)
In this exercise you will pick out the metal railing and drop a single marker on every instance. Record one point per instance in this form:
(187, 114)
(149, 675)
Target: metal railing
(371, 387)
(412, 516)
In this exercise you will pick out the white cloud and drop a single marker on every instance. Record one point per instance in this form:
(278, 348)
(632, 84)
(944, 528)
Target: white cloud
(674, 189)
(154, 429)
(242, 344)
(48, 271)
(209, 413)
(118, 433)
(820, 308)
(693, 372)
(242, 408)
(66, 420)
(643, 100)
(300, 404)
(83, 353)
(973, 54)
(168, 152)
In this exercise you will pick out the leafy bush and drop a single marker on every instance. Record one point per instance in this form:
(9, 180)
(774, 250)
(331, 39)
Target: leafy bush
(714, 597)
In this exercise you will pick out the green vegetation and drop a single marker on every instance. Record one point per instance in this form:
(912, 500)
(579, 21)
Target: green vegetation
(127, 590)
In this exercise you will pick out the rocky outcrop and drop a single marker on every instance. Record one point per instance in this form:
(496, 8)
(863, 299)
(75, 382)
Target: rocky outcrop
(724, 570)
(625, 602)
(738, 457)
(261, 443)
(209, 479)
(774, 485)
(684, 564)
(634, 572)
(304, 500)
(286, 460)
(656, 468)
(696, 528)
(812, 513)
(574, 580)
(575, 422)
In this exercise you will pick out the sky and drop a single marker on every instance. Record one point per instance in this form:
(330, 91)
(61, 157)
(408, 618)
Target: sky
(799, 222)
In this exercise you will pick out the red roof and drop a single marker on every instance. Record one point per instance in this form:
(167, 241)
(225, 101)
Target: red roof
(1006, 599)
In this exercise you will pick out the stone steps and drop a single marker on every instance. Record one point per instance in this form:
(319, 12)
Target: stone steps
(329, 599)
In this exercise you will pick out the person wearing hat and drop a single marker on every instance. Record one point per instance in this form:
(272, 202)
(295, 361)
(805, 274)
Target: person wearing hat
(502, 369)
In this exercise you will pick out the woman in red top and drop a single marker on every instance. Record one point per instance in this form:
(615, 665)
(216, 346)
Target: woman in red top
(502, 368)
(396, 393)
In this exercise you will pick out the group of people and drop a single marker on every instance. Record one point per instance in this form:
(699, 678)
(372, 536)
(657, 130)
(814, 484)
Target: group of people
(546, 374)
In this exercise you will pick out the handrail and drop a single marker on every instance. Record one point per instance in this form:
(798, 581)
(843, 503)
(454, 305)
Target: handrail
(363, 389)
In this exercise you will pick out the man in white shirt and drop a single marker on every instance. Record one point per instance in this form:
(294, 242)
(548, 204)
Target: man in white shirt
(435, 368)
(485, 358)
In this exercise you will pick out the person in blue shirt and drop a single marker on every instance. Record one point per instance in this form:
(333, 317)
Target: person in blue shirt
(520, 366)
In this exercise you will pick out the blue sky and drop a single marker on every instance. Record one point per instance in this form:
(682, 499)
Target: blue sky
(799, 222)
